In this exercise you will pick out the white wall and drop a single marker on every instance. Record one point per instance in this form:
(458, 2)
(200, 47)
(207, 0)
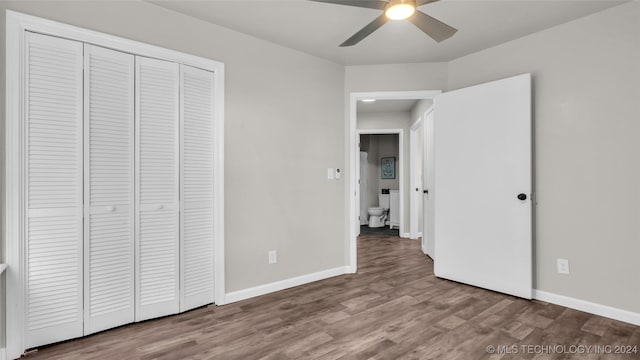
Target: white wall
(395, 77)
(394, 120)
(388, 146)
(280, 136)
(586, 76)
(370, 146)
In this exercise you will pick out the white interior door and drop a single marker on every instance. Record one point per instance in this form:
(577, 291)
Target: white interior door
(416, 144)
(196, 187)
(109, 250)
(364, 185)
(483, 178)
(157, 188)
(53, 191)
(428, 195)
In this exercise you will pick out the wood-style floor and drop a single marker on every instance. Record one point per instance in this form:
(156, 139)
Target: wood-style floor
(394, 308)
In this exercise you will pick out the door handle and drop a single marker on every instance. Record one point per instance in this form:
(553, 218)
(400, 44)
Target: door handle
(425, 191)
(522, 196)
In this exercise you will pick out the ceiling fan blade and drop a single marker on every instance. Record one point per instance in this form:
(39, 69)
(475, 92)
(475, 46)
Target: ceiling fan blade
(423, 2)
(433, 27)
(369, 4)
(365, 31)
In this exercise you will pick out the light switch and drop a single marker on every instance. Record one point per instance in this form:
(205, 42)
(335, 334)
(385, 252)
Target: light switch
(338, 174)
(330, 173)
(563, 266)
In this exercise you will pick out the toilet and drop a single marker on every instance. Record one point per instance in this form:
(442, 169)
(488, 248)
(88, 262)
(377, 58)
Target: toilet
(378, 214)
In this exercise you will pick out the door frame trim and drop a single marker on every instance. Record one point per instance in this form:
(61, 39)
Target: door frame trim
(352, 146)
(14, 207)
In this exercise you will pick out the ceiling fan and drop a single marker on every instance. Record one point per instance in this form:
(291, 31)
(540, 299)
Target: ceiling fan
(396, 10)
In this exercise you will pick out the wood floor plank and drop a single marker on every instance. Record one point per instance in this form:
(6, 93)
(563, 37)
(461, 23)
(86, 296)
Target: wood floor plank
(393, 308)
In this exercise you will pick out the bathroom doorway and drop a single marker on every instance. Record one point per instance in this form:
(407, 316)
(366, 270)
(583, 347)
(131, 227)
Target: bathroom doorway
(379, 179)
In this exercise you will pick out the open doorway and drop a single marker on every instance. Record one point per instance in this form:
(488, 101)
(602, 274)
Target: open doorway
(380, 177)
(483, 172)
(363, 120)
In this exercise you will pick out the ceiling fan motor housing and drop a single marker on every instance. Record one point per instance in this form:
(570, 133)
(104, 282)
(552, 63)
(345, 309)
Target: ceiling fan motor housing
(400, 9)
(396, 10)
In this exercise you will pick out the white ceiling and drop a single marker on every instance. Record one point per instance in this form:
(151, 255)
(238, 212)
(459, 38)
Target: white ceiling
(318, 28)
(386, 106)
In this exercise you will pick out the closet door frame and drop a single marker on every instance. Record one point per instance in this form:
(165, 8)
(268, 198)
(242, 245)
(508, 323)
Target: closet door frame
(14, 207)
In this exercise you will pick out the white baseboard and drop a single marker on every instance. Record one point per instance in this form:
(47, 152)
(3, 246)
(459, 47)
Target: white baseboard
(283, 284)
(3, 354)
(406, 235)
(573, 303)
(587, 306)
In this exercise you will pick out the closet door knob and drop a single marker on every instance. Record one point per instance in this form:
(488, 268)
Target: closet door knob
(522, 196)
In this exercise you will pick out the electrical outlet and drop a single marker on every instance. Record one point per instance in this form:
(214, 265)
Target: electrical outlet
(563, 266)
(273, 257)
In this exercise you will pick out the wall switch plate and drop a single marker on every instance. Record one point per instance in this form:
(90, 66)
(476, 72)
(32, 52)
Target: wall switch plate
(330, 173)
(273, 257)
(563, 266)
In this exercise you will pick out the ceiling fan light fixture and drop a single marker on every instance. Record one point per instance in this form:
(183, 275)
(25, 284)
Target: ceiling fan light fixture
(400, 9)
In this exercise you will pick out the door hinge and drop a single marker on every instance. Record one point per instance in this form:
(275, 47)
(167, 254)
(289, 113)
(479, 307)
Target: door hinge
(358, 181)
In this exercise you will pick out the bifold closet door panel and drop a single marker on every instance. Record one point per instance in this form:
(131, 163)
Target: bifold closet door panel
(53, 190)
(157, 188)
(197, 271)
(109, 186)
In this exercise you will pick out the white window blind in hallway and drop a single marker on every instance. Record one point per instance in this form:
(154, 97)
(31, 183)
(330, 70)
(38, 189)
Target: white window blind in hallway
(196, 187)
(115, 193)
(157, 188)
(109, 139)
(53, 163)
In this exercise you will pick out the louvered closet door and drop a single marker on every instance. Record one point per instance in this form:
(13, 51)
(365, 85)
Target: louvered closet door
(196, 188)
(157, 225)
(109, 139)
(53, 157)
